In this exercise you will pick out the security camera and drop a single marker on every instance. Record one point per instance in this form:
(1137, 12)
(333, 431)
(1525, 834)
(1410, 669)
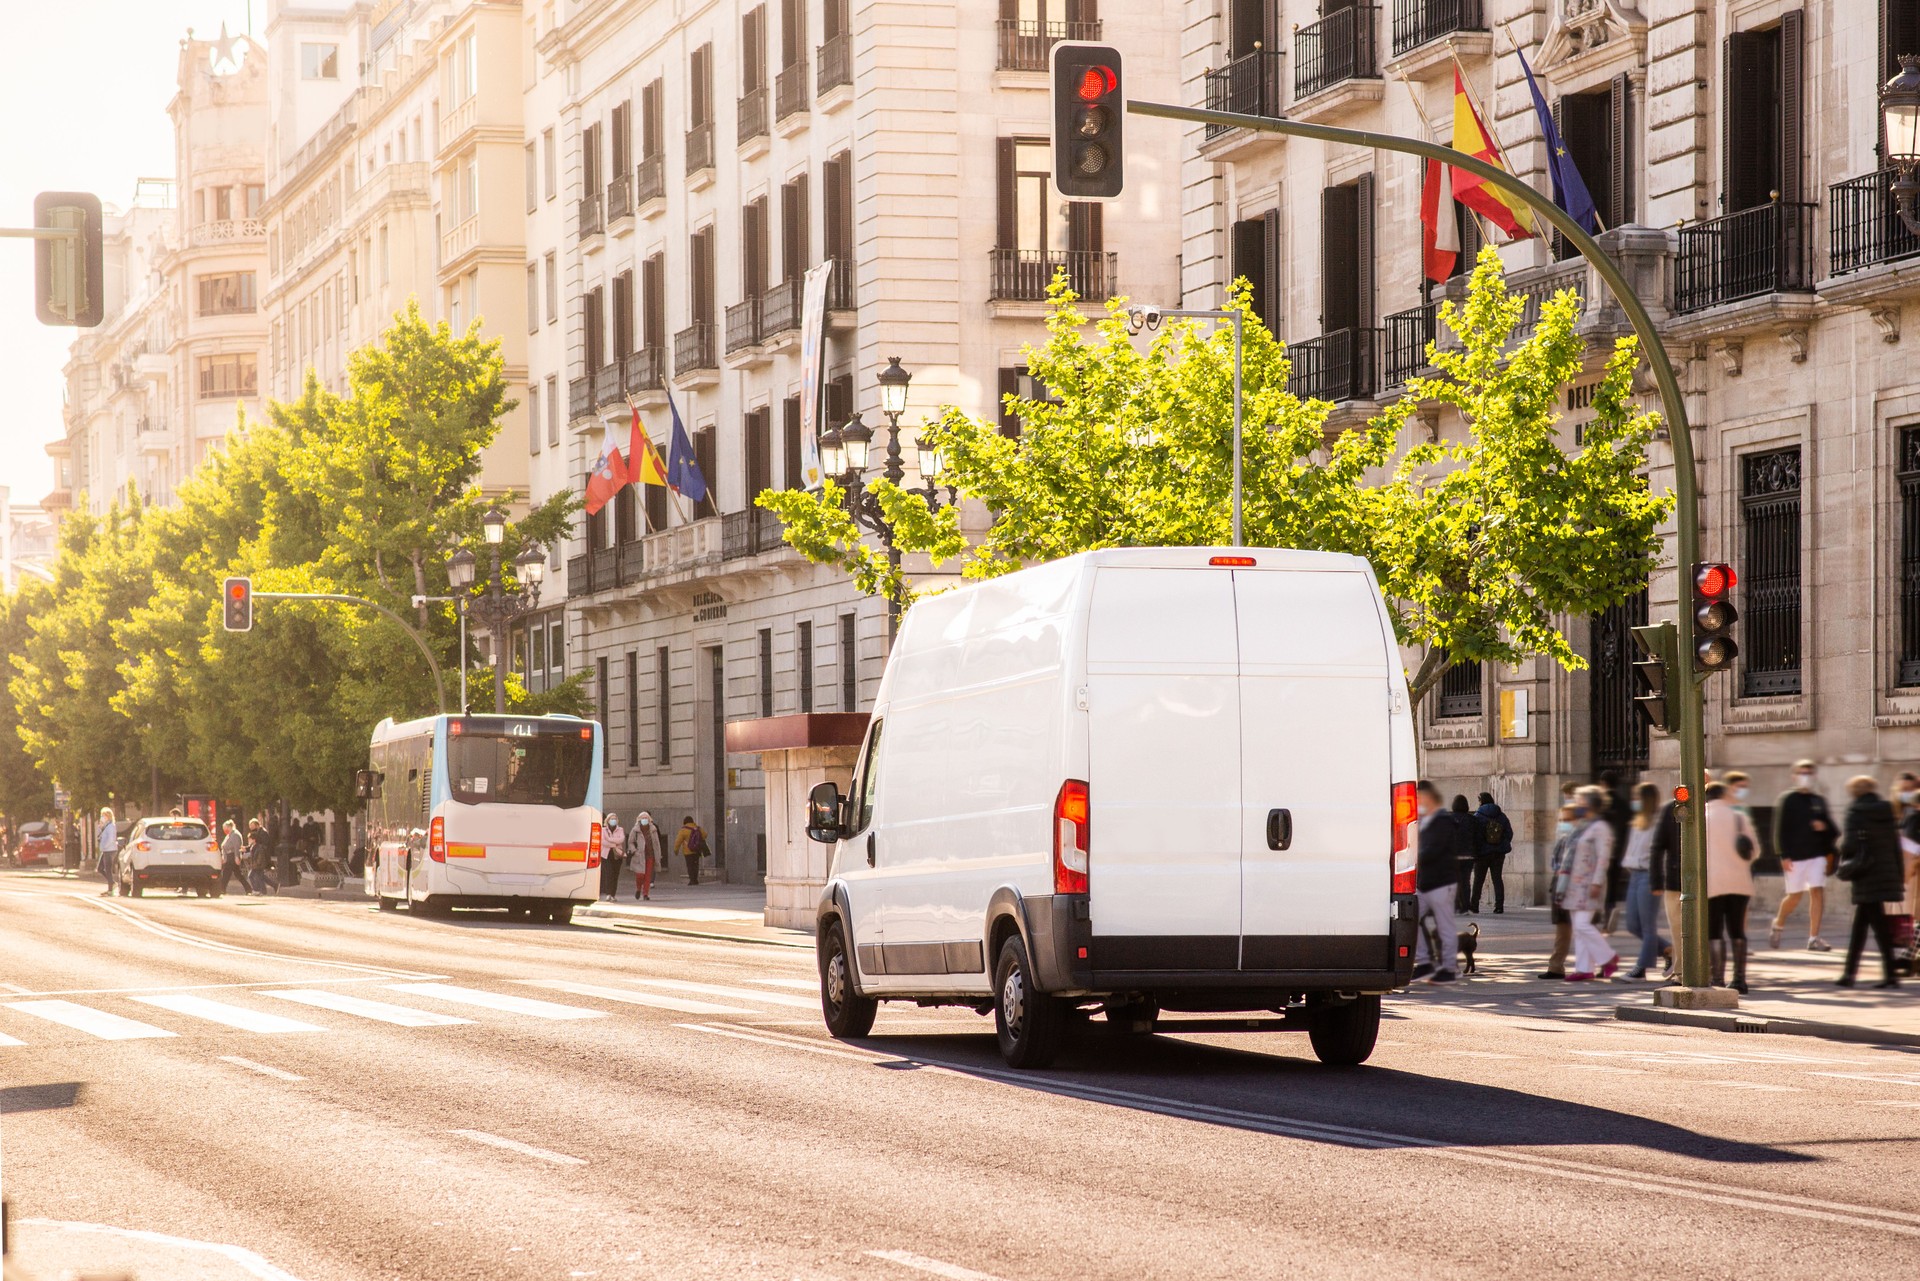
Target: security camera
(1139, 318)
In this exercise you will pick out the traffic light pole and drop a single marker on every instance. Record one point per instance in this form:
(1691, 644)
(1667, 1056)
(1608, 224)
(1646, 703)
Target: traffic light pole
(1695, 978)
(439, 688)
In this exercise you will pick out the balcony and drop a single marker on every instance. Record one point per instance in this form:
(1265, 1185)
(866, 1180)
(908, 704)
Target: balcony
(589, 216)
(1028, 45)
(650, 180)
(1342, 365)
(743, 326)
(579, 577)
(1023, 275)
(604, 563)
(580, 398)
(606, 385)
(643, 371)
(1408, 334)
(1863, 227)
(841, 292)
(1420, 22)
(457, 123)
(752, 111)
(699, 148)
(1764, 250)
(619, 199)
(790, 91)
(835, 62)
(780, 308)
(693, 350)
(462, 240)
(1247, 86)
(228, 231)
(749, 533)
(1340, 47)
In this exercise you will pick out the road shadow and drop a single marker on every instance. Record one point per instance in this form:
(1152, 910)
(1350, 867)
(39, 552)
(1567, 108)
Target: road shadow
(40, 1098)
(1366, 1107)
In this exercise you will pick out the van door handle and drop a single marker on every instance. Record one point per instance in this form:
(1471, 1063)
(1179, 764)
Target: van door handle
(1279, 829)
(869, 849)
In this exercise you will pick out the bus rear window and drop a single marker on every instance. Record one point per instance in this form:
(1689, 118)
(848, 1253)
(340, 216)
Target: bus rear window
(540, 769)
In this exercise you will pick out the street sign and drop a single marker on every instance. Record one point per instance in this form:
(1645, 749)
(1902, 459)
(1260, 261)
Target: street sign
(1089, 111)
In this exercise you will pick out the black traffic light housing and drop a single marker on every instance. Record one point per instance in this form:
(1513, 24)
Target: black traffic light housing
(1714, 648)
(1653, 673)
(1089, 113)
(236, 598)
(69, 278)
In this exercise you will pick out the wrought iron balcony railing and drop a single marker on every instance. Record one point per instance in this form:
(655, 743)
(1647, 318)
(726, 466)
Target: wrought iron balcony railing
(643, 371)
(620, 198)
(1342, 365)
(693, 348)
(1342, 46)
(650, 179)
(1248, 86)
(1027, 45)
(835, 62)
(1863, 225)
(590, 220)
(1764, 250)
(780, 308)
(743, 325)
(1418, 22)
(700, 148)
(752, 112)
(790, 90)
(1023, 275)
(840, 286)
(749, 532)
(1407, 335)
(580, 397)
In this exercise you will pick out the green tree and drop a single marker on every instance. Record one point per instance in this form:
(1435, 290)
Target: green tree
(1478, 543)
(26, 790)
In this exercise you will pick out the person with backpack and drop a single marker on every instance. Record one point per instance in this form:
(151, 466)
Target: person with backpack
(1496, 842)
(691, 842)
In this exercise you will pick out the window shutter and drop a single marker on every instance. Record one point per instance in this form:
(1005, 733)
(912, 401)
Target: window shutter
(1083, 11)
(1009, 10)
(1620, 154)
(1726, 123)
(1363, 251)
(1003, 194)
(1009, 386)
(1339, 305)
(1270, 271)
(830, 203)
(791, 466)
(1561, 249)
(1793, 98)
(1248, 244)
(1751, 145)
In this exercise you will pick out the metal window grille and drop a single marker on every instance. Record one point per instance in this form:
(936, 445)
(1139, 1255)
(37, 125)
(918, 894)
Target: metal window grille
(1770, 516)
(1909, 472)
(1619, 732)
(1458, 694)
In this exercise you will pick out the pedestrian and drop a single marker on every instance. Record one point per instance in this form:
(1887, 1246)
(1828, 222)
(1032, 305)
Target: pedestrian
(232, 850)
(643, 846)
(107, 841)
(1496, 842)
(1730, 852)
(1665, 869)
(1436, 878)
(1643, 914)
(1906, 805)
(1462, 815)
(1582, 887)
(1870, 862)
(260, 877)
(613, 853)
(1617, 815)
(691, 842)
(1804, 833)
(1563, 834)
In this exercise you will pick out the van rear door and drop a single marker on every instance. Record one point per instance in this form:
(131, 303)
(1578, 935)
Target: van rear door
(1316, 770)
(1163, 752)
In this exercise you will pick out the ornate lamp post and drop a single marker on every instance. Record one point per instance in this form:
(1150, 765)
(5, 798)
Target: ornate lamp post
(493, 604)
(1900, 116)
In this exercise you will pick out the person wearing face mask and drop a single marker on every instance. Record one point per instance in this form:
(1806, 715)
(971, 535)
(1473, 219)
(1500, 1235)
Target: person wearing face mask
(1442, 842)
(1803, 836)
(1730, 853)
(644, 842)
(1582, 887)
(1563, 834)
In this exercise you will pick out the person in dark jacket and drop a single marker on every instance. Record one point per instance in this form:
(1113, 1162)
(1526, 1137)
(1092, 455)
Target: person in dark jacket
(1618, 816)
(1470, 852)
(1665, 873)
(1803, 837)
(1436, 874)
(1871, 862)
(1496, 842)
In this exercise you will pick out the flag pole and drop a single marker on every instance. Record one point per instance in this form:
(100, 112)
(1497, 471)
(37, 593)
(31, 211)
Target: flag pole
(1486, 123)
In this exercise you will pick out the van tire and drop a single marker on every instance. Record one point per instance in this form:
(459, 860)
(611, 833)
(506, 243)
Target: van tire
(847, 1013)
(1343, 1035)
(1031, 1024)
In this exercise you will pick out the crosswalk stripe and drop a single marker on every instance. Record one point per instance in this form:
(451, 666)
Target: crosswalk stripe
(737, 993)
(199, 1007)
(379, 1011)
(497, 1001)
(7, 1040)
(678, 1004)
(800, 985)
(83, 1018)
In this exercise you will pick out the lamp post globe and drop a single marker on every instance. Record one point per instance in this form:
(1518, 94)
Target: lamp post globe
(494, 525)
(1900, 119)
(855, 438)
(894, 381)
(833, 452)
(460, 569)
(530, 566)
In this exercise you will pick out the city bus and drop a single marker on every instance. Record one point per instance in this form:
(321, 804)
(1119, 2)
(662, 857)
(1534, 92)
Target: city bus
(484, 811)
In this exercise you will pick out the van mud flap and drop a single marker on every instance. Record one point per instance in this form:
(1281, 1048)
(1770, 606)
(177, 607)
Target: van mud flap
(1404, 926)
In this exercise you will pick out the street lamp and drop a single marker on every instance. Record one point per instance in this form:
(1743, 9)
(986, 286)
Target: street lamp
(1900, 117)
(494, 525)
(833, 452)
(491, 602)
(856, 439)
(893, 382)
(460, 569)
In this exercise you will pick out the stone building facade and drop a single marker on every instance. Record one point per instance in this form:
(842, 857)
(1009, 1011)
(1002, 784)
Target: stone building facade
(1732, 148)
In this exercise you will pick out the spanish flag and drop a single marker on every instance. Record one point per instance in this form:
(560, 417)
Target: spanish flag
(643, 460)
(1470, 135)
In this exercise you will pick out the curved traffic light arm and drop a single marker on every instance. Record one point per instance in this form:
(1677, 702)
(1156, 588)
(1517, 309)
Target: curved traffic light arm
(439, 687)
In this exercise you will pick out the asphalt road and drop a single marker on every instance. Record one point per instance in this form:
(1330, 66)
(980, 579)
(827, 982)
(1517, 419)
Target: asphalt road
(411, 1098)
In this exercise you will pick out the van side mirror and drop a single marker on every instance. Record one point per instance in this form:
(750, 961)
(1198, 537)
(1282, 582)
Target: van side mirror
(823, 813)
(366, 784)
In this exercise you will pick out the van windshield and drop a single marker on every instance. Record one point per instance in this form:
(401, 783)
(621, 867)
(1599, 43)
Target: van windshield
(540, 769)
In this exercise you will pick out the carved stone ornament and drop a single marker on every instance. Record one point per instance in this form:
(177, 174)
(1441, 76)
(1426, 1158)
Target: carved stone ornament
(1732, 353)
(1888, 320)
(1794, 339)
(1577, 27)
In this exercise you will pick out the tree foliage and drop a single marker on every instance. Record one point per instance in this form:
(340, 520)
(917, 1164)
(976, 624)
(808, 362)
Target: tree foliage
(1480, 543)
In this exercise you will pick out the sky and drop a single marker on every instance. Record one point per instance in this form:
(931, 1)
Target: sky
(84, 86)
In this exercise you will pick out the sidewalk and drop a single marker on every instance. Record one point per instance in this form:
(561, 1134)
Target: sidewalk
(1793, 992)
(733, 913)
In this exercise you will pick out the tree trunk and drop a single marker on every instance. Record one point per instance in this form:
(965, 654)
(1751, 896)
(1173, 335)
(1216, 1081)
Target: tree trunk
(1427, 676)
(420, 588)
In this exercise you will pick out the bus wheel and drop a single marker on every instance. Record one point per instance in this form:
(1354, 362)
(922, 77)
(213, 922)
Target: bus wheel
(389, 904)
(561, 914)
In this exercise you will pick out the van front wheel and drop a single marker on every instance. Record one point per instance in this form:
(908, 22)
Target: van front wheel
(847, 1013)
(1031, 1024)
(1343, 1035)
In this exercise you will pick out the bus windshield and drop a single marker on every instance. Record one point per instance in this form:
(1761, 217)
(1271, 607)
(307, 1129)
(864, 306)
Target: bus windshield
(541, 769)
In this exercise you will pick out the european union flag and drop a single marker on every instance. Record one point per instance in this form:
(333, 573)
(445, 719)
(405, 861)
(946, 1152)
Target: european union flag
(1569, 189)
(683, 469)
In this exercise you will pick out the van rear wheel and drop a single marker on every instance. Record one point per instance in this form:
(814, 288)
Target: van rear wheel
(847, 1013)
(1030, 1023)
(1343, 1035)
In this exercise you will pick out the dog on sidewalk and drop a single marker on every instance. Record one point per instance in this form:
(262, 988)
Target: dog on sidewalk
(1469, 942)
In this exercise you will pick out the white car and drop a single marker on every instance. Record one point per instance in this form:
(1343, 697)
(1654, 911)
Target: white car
(1134, 780)
(170, 853)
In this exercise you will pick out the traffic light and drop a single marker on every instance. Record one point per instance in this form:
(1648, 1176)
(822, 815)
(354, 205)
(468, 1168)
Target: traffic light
(1651, 671)
(68, 277)
(1713, 617)
(1089, 109)
(237, 596)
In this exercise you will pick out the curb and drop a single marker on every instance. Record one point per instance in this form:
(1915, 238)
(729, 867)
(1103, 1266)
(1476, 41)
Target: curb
(610, 921)
(1729, 1022)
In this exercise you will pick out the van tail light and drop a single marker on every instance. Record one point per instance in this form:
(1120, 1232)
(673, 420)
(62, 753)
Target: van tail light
(1405, 854)
(437, 840)
(1071, 827)
(593, 846)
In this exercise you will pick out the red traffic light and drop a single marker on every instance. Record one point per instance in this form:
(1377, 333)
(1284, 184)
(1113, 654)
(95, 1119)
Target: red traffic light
(1681, 794)
(237, 588)
(1714, 580)
(1097, 82)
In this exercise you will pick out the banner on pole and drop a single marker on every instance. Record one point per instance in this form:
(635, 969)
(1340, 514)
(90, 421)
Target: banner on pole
(813, 360)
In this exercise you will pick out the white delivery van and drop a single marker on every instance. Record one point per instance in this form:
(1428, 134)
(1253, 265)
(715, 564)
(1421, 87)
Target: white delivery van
(1135, 780)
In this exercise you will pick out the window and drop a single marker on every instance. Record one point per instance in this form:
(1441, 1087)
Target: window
(533, 298)
(319, 62)
(467, 68)
(550, 768)
(534, 426)
(652, 131)
(222, 204)
(470, 188)
(622, 314)
(553, 289)
(793, 228)
(256, 196)
(225, 376)
(1458, 694)
(703, 455)
(602, 694)
(590, 162)
(1036, 221)
(633, 709)
(869, 785)
(793, 33)
(700, 87)
(1909, 472)
(533, 178)
(836, 196)
(753, 50)
(1346, 256)
(593, 325)
(620, 140)
(1018, 381)
(803, 664)
(1256, 259)
(663, 707)
(753, 249)
(1770, 613)
(792, 472)
(700, 283)
(553, 409)
(1761, 116)
(227, 294)
(653, 302)
(766, 672)
(1595, 128)
(849, 670)
(759, 449)
(548, 165)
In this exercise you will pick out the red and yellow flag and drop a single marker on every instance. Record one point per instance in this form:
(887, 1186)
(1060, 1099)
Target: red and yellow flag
(643, 460)
(1470, 134)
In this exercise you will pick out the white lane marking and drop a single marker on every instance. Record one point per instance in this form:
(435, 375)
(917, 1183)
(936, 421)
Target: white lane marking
(17, 990)
(199, 1007)
(1605, 1067)
(514, 1145)
(377, 1010)
(934, 1267)
(1755, 1085)
(737, 993)
(215, 987)
(1878, 1078)
(1892, 1103)
(84, 1018)
(1479, 1054)
(280, 1074)
(800, 985)
(7, 1040)
(193, 940)
(678, 1004)
(244, 1258)
(496, 1001)
(1898, 1221)
(785, 1042)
